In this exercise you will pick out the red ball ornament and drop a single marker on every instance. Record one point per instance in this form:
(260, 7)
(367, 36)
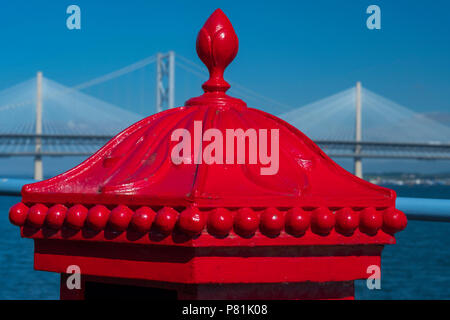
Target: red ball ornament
(18, 214)
(323, 221)
(37, 214)
(272, 221)
(98, 217)
(394, 220)
(142, 219)
(191, 221)
(120, 217)
(370, 221)
(165, 219)
(220, 221)
(297, 221)
(56, 216)
(346, 221)
(76, 216)
(246, 222)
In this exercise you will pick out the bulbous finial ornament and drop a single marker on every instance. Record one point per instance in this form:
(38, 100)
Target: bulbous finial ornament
(217, 45)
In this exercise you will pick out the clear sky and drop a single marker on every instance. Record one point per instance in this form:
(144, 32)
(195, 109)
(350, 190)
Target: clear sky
(293, 51)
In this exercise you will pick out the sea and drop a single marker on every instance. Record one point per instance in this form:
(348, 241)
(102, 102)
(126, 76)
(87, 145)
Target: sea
(417, 267)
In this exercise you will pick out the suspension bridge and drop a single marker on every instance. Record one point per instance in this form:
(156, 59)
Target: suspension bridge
(42, 118)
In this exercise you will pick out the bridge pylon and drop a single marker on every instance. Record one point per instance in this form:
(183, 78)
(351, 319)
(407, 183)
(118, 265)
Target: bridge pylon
(165, 81)
(38, 169)
(358, 132)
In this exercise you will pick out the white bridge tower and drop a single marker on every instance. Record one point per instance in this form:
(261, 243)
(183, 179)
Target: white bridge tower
(165, 81)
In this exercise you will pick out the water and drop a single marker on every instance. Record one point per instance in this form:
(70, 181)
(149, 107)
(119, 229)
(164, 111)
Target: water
(417, 267)
(19, 279)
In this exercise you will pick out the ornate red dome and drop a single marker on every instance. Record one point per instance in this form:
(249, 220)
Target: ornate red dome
(136, 168)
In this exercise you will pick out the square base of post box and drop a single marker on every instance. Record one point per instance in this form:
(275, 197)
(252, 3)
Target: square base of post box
(156, 271)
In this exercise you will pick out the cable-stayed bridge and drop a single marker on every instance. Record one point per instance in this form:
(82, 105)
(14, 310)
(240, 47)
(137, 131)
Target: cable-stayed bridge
(358, 123)
(40, 117)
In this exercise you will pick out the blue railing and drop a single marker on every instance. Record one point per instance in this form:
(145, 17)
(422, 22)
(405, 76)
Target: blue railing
(415, 208)
(12, 187)
(425, 209)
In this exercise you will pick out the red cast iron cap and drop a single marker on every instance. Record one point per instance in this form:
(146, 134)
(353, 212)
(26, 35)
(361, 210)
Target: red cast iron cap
(136, 169)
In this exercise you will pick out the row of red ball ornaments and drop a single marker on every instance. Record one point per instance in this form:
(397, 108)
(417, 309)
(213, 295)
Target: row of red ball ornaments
(219, 222)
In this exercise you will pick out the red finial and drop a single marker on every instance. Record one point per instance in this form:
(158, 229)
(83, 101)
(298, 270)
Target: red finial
(217, 45)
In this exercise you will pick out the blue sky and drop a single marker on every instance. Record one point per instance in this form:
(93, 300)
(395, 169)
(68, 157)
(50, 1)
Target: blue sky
(292, 51)
(295, 52)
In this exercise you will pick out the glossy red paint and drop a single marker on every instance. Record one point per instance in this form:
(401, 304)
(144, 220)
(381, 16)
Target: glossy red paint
(18, 214)
(191, 221)
(120, 217)
(246, 222)
(76, 216)
(346, 221)
(220, 222)
(143, 219)
(371, 221)
(56, 216)
(217, 46)
(394, 220)
(297, 221)
(98, 217)
(165, 220)
(210, 265)
(36, 215)
(269, 222)
(134, 216)
(272, 221)
(323, 221)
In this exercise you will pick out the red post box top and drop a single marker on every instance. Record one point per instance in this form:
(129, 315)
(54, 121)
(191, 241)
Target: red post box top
(133, 184)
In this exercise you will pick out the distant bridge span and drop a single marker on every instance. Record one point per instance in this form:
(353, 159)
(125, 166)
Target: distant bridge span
(86, 145)
(42, 118)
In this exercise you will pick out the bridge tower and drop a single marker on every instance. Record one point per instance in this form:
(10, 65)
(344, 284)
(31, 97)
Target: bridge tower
(358, 132)
(38, 170)
(165, 81)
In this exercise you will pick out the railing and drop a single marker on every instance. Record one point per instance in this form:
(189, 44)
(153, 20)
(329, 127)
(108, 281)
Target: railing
(391, 150)
(18, 145)
(12, 187)
(425, 209)
(415, 208)
(90, 143)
